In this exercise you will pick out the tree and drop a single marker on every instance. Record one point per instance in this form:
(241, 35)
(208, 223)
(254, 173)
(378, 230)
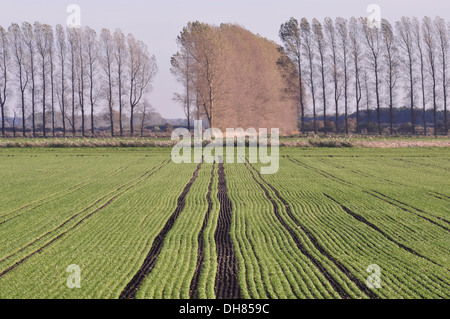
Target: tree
(373, 41)
(429, 38)
(290, 35)
(356, 55)
(443, 45)
(417, 34)
(28, 38)
(73, 51)
(92, 62)
(310, 56)
(120, 55)
(4, 66)
(330, 31)
(321, 46)
(342, 29)
(204, 44)
(61, 48)
(182, 69)
(406, 43)
(19, 59)
(81, 73)
(107, 60)
(142, 69)
(391, 60)
(44, 40)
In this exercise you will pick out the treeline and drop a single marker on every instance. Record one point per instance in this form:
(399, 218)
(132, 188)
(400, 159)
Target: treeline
(64, 75)
(359, 64)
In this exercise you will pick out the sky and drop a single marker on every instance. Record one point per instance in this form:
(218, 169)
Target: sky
(158, 23)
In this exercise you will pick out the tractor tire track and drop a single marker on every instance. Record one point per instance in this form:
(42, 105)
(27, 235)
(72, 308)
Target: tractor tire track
(126, 187)
(193, 292)
(336, 285)
(396, 203)
(227, 282)
(131, 289)
(54, 196)
(365, 221)
(361, 285)
(390, 201)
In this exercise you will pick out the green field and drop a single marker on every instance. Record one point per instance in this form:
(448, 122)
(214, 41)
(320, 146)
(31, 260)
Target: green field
(141, 226)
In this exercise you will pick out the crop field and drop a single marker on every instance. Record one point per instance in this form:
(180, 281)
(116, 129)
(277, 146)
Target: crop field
(140, 226)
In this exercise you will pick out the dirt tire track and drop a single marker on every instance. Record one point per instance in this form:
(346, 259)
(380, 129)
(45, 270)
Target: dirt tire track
(193, 292)
(131, 289)
(336, 285)
(227, 281)
(365, 221)
(127, 187)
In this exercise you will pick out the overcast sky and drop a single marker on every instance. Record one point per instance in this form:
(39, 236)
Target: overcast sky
(158, 23)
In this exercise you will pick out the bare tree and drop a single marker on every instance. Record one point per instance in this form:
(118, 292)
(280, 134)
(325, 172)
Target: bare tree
(44, 39)
(19, 59)
(373, 41)
(73, 51)
(342, 29)
(356, 54)
(142, 69)
(292, 40)
(391, 60)
(28, 38)
(310, 56)
(81, 74)
(4, 66)
(417, 35)
(330, 31)
(107, 59)
(120, 55)
(444, 46)
(406, 43)
(61, 48)
(181, 63)
(429, 38)
(92, 57)
(321, 46)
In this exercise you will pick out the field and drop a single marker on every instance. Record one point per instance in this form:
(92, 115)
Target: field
(140, 226)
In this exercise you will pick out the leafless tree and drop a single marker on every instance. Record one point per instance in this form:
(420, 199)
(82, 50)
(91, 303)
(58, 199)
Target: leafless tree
(28, 38)
(391, 60)
(429, 38)
(92, 62)
(107, 59)
(443, 46)
(61, 48)
(19, 59)
(308, 51)
(120, 55)
(44, 40)
(72, 41)
(373, 40)
(182, 66)
(321, 47)
(81, 61)
(330, 31)
(417, 36)
(290, 34)
(342, 30)
(356, 55)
